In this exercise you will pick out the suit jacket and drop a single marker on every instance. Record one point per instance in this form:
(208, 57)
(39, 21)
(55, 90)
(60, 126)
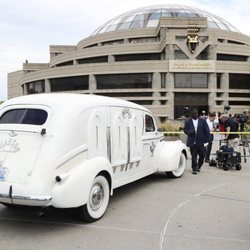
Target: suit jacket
(201, 136)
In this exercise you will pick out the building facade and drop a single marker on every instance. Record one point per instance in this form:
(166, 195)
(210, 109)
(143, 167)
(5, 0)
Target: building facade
(167, 58)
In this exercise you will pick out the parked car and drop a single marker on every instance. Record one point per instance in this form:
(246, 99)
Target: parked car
(72, 150)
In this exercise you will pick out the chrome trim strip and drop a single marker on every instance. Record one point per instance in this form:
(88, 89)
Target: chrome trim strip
(128, 145)
(108, 144)
(150, 139)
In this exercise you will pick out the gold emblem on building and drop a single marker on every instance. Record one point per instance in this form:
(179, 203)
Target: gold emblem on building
(192, 38)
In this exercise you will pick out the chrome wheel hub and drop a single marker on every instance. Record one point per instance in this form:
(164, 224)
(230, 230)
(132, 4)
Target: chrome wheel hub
(96, 197)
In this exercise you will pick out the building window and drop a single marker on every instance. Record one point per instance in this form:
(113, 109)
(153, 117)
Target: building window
(239, 103)
(124, 81)
(235, 42)
(239, 81)
(180, 55)
(142, 102)
(70, 83)
(126, 94)
(65, 64)
(202, 55)
(187, 80)
(143, 40)
(184, 103)
(98, 59)
(218, 77)
(242, 95)
(113, 42)
(36, 87)
(138, 57)
(236, 58)
(163, 80)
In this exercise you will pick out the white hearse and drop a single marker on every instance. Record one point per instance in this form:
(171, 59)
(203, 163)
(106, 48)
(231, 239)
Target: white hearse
(73, 150)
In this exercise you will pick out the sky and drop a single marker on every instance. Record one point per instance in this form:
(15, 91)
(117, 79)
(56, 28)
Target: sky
(29, 27)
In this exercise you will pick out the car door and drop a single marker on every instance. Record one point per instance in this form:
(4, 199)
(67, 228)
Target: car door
(149, 141)
(20, 141)
(126, 134)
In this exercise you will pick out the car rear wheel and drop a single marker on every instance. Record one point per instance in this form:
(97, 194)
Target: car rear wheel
(98, 200)
(238, 167)
(177, 173)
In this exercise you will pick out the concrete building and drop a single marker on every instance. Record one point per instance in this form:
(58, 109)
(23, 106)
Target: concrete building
(169, 58)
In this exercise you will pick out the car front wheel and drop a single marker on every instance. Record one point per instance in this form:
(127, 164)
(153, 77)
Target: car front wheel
(181, 168)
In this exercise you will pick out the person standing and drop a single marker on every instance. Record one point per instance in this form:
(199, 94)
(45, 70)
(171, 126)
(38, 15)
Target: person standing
(210, 122)
(231, 125)
(198, 134)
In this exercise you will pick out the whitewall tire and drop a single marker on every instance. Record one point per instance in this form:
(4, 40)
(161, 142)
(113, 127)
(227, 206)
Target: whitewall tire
(98, 200)
(177, 173)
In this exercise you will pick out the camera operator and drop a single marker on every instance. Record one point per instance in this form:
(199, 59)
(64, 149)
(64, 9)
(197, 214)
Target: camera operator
(231, 125)
(242, 120)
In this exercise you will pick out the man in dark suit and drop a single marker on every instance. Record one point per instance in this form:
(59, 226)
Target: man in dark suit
(198, 134)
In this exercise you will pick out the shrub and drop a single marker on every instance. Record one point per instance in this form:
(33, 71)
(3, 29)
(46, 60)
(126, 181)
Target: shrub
(172, 126)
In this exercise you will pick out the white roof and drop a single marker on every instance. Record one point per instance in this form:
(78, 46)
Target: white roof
(65, 101)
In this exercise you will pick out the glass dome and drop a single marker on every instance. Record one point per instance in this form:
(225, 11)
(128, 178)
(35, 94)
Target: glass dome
(148, 17)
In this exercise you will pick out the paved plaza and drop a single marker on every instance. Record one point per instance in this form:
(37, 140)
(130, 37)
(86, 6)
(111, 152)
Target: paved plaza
(208, 211)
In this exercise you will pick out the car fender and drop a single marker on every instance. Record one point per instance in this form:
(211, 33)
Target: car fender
(72, 188)
(169, 155)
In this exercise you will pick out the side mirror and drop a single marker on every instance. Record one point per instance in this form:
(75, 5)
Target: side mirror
(160, 130)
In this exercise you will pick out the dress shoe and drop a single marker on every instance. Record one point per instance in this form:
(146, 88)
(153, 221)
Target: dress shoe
(194, 172)
(207, 161)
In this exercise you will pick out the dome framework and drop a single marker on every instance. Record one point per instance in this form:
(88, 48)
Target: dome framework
(149, 17)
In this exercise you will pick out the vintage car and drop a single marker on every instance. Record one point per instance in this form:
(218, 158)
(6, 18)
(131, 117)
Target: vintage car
(73, 150)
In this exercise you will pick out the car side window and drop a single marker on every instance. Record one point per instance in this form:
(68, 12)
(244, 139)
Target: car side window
(149, 124)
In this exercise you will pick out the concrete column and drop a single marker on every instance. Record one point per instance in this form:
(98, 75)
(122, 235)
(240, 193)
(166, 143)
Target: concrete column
(212, 78)
(156, 82)
(126, 40)
(111, 59)
(156, 101)
(25, 89)
(47, 86)
(170, 81)
(163, 32)
(211, 101)
(225, 86)
(211, 53)
(170, 94)
(156, 85)
(92, 83)
(169, 52)
(75, 62)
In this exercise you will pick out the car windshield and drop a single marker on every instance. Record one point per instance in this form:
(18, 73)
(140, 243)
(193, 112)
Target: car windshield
(24, 116)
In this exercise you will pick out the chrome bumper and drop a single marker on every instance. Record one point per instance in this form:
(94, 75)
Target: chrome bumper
(28, 200)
